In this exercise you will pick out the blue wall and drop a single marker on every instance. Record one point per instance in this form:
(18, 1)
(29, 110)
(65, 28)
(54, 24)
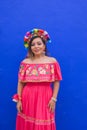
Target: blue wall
(66, 22)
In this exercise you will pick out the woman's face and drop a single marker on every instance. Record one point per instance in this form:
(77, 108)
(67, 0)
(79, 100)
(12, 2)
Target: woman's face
(37, 46)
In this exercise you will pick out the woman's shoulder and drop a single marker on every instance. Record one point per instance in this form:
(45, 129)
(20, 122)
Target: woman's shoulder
(46, 59)
(25, 61)
(51, 59)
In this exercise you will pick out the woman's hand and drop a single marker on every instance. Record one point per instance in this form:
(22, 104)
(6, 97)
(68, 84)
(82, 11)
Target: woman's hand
(51, 105)
(19, 106)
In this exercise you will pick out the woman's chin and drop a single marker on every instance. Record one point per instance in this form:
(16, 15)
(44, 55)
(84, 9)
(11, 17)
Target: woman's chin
(37, 54)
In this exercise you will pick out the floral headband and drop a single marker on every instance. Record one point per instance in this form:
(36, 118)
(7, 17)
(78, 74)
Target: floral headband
(36, 32)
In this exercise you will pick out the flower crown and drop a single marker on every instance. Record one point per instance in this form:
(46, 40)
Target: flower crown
(36, 32)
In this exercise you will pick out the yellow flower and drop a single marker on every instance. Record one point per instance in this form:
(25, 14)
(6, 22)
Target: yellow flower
(34, 72)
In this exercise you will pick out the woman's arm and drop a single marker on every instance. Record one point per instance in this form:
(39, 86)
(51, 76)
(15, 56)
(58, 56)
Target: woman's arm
(20, 88)
(56, 89)
(53, 100)
(19, 92)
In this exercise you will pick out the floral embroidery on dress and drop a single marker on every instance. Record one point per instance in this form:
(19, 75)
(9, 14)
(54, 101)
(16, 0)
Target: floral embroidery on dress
(39, 72)
(47, 66)
(22, 70)
(34, 72)
(52, 69)
(43, 71)
(28, 71)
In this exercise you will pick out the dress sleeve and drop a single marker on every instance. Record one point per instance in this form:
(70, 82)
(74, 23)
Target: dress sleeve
(22, 72)
(57, 71)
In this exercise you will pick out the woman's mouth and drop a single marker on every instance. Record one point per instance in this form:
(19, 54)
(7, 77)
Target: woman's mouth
(36, 50)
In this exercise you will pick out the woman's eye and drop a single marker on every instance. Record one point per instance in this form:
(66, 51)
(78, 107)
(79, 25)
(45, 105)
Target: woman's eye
(39, 43)
(32, 44)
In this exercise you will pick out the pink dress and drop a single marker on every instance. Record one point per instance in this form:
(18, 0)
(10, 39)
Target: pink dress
(36, 94)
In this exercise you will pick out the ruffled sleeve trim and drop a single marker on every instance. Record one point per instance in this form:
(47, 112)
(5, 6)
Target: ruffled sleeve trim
(58, 75)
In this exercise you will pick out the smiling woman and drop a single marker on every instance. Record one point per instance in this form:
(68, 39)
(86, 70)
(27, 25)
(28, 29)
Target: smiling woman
(35, 98)
(37, 46)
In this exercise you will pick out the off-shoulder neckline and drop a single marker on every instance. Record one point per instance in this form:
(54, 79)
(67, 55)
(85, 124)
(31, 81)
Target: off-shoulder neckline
(38, 63)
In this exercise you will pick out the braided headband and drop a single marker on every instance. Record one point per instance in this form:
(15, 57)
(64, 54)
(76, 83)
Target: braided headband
(36, 32)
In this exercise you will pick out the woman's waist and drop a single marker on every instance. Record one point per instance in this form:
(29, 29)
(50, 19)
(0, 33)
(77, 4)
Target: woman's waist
(38, 84)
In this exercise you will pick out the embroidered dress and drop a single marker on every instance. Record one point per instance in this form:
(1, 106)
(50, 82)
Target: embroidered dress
(36, 95)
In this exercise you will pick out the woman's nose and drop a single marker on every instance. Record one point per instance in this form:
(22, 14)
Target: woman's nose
(36, 45)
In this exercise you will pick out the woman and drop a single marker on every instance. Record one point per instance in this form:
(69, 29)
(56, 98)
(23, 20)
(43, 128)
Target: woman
(35, 97)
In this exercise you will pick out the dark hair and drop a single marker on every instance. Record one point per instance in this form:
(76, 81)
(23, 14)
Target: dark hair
(30, 53)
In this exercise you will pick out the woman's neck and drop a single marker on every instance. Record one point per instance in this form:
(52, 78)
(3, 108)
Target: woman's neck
(38, 57)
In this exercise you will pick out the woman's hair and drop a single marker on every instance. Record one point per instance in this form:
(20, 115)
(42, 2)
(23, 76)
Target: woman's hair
(30, 53)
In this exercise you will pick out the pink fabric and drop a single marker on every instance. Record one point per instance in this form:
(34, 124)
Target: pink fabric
(39, 72)
(36, 114)
(35, 96)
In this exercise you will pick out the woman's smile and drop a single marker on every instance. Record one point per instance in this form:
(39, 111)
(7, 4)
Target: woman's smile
(37, 46)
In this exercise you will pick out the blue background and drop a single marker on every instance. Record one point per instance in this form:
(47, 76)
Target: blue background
(66, 22)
